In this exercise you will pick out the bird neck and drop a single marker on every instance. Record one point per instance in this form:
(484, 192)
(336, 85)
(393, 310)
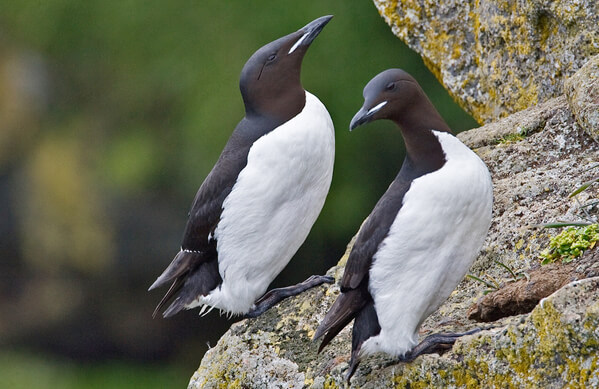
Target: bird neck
(280, 103)
(424, 153)
(419, 114)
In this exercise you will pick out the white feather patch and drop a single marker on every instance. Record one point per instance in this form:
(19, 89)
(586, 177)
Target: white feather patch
(272, 206)
(434, 239)
(296, 44)
(376, 108)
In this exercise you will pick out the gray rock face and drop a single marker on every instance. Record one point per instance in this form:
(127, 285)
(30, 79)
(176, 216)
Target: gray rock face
(582, 90)
(497, 57)
(536, 157)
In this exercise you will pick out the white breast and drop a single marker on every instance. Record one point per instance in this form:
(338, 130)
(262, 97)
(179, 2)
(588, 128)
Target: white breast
(272, 206)
(434, 239)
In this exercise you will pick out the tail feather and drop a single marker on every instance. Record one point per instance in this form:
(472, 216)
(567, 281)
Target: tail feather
(173, 290)
(366, 326)
(199, 281)
(181, 264)
(332, 332)
(343, 311)
(176, 307)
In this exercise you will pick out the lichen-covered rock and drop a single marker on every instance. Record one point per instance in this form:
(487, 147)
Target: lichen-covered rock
(536, 157)
(497, 57)
(582, 90)
(556, 346)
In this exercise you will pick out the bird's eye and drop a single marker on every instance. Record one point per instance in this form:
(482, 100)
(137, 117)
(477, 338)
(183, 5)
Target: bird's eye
(390, 86)
(272, 57)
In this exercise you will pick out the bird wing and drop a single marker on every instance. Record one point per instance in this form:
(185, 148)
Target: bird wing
(355, 297)
(373, 232)
(207, 204)
(194, 270)
(198, 244)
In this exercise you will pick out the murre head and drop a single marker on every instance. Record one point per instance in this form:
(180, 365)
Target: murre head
(270, 80)
(395, 95)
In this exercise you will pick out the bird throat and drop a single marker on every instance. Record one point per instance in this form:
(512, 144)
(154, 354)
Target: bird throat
(424, 153)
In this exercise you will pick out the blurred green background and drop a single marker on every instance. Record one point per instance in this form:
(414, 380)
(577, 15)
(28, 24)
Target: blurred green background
(111, 115)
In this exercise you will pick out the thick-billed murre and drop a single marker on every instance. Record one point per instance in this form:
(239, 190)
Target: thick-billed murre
(259, 202)
(421, 237)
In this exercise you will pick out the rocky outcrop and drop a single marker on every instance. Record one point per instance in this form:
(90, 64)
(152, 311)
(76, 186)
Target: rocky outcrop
(498, 57)
(582, 90)
(537, 157)
(556, 346)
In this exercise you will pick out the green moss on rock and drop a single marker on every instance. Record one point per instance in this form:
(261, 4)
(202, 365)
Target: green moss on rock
(571, 243)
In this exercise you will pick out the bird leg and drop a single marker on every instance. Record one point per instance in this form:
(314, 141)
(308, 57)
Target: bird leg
(435, 343)
(275, 296)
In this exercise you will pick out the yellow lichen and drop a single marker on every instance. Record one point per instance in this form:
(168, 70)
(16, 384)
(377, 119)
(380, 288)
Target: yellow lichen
(405, 382)
(519, 244)
(329, 383)
(464, 379)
